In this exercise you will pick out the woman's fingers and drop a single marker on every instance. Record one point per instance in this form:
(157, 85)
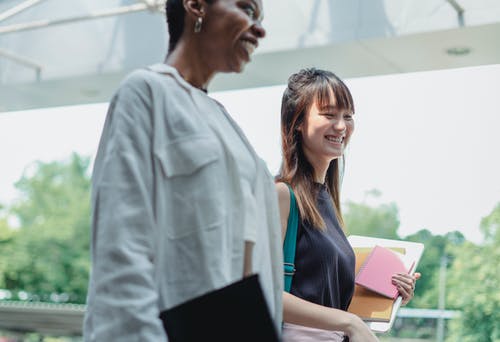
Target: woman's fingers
(406, 295)
(405, 284)
(404, 280)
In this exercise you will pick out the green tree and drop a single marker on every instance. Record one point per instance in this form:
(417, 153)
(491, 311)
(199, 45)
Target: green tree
(490, 226)
(473, 283)
(6, 232)
(436, 246)
(49, 252)
(380, 220)
(6, 237)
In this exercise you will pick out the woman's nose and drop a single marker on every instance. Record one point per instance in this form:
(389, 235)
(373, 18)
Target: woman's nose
(258, 29)
(340, 125)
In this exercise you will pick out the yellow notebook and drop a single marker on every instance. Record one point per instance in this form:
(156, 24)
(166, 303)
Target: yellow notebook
(367, 304)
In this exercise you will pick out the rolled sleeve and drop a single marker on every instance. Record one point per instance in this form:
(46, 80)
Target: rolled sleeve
(123, 298)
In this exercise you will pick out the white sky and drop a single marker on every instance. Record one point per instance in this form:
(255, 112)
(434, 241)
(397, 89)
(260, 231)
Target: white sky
(428, 141)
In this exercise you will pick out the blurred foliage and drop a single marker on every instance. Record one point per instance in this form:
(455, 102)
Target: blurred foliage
(48, 254)
(381, 220)
(473, 285)
(436, 247)
(490, 226)
(473, 272)
(6, 236)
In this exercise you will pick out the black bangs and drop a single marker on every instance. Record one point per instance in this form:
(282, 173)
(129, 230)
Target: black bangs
(342, 94)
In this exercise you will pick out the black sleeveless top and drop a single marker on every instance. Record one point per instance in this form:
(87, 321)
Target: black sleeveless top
(324, 260)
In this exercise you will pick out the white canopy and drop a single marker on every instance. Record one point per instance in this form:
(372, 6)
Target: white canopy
(55, 52)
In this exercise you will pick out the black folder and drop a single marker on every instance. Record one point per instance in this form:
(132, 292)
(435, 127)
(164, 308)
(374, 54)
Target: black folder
(236, 313)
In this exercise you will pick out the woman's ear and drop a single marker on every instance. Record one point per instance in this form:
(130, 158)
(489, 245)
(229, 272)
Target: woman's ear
(194, 7)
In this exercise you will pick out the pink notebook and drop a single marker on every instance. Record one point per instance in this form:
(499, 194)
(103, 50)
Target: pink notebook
(377, 271)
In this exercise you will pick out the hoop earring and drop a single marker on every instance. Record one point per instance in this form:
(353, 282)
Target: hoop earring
(197, 25)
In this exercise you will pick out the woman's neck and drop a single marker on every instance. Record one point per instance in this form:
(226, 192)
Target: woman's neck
(319, 166)
(320, 175)
(186, 59)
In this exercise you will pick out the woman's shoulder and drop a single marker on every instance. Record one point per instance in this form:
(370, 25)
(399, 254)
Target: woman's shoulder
(284, 205)
(283, 195)
(282, 189)
(145, 78)
(136, 83)
(152, 86)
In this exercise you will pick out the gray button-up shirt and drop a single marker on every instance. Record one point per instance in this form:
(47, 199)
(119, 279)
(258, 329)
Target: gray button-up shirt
(171, 209)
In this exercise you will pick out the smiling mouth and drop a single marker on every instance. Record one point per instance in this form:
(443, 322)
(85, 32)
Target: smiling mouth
(334, 139)
(248, 45)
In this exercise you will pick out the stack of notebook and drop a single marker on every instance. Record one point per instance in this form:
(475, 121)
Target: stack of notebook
(374, 293)
(372, 263)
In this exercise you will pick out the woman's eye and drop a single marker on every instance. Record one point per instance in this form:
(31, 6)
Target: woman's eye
(249, 11)
(348, 117)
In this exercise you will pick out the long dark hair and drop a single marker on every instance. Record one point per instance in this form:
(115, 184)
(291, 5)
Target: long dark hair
(303, 87)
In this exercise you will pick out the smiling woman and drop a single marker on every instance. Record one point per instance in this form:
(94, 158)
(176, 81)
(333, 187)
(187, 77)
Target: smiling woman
(225, 34)
(182, 204)
(316, 126)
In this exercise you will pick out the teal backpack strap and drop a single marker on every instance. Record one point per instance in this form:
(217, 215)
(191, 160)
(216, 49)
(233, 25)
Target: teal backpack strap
(290, 241)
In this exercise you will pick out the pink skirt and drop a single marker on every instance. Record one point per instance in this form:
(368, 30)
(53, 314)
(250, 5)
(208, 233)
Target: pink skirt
(298, 333)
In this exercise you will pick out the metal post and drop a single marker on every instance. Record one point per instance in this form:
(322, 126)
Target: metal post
(23, 61)
(442, 298)
(312, 23)
(18, 9)
(94, 15)
(460, 11)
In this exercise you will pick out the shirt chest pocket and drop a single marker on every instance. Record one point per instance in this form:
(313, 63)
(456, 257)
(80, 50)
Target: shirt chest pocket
(192, 196)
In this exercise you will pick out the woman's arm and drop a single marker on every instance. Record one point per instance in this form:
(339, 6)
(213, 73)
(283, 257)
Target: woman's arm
(301, 312)
(123, 297)
(284, 205)
(247, 261)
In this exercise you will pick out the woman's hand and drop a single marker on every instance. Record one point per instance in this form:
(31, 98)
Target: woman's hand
(405, 284)
(360, 332)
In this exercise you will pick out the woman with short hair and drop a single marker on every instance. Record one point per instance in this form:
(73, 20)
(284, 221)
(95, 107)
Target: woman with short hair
(182, 204)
